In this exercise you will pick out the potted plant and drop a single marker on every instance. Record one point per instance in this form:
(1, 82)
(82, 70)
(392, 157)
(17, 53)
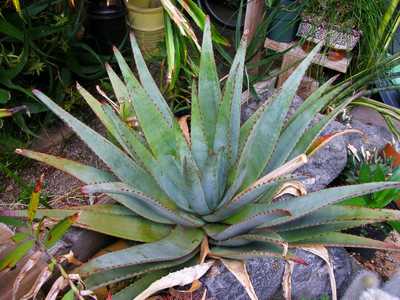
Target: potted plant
(107, 23)
(333, 22)
(146, 18)
(285, 18)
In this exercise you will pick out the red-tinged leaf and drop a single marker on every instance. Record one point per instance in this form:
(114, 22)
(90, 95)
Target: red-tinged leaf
(35, 197)
(390, 152)
(325, 139)
(109, 296)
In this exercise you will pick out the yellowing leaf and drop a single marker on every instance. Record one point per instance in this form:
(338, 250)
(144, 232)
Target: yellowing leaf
(60, 284)
(238, 269)
(323, 253)
(182, 277)
(294, 188)
(17, 6)
(35, 197)
(325, 139)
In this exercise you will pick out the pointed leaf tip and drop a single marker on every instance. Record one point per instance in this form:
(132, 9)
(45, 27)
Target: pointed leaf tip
(299, 260)
(39, 184)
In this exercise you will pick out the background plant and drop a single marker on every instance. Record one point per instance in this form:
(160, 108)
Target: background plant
(182, 48)
(179, 189)
(41, 46)
(33, 241)
(370, 166)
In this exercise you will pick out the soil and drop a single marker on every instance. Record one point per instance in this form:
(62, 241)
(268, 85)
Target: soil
(385, 263)
(60, 188)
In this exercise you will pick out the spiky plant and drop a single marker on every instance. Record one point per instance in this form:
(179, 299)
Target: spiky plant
(175, 188)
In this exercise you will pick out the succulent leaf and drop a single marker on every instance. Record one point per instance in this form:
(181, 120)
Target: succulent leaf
(90, 175)
(123, 167)
(338, 239)
(337, 214)
(218, 181)
(305, 205)
(114, 275)
(209, 88)
(163, 207)
(228, 121)
(253, 222)
(312, 133)
(158, 132)
(179, 243)
(199, 144)
(119, 88)
(148, 83)
(253, 250)
(299, 123)
(265, 133)
(114, 220)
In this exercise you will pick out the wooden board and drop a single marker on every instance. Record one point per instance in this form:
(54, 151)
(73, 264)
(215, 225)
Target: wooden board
(298, 53)
(254, 12)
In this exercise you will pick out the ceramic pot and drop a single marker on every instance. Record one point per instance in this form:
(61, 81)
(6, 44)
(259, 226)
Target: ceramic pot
(106, 24)
(336, 55)
(147, 24)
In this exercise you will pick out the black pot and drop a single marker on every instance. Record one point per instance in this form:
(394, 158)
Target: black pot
(106, 24)
(285, 21)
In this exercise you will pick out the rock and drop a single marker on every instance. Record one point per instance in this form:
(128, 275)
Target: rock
(376, 137)
(312, 281)
(265, 275)
(83, 243)
(327, 163)
(308, 282)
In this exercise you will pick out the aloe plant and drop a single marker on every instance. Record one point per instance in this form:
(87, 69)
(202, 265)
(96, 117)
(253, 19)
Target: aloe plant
(216, 182)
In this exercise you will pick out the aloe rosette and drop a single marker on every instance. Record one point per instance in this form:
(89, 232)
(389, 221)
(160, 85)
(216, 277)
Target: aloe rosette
(215, 180)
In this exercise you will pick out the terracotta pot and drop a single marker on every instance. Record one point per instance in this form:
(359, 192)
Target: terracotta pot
(336, 55)
(307, 46)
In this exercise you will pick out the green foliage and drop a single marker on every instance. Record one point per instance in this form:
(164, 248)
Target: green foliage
(36, 238)
(365, 167)
(182, 50)
(216, 181)
(41, 46)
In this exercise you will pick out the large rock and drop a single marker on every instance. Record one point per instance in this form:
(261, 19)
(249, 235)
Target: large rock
(327, 163)
(312, 281)
(265, 275)
(375, 137)
(308, 282)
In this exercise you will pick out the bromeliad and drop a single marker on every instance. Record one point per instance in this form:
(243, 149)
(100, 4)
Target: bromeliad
(215, 179)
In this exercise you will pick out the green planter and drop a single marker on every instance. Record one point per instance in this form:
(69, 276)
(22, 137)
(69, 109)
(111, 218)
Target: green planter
(285, 21)
(146, 18)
